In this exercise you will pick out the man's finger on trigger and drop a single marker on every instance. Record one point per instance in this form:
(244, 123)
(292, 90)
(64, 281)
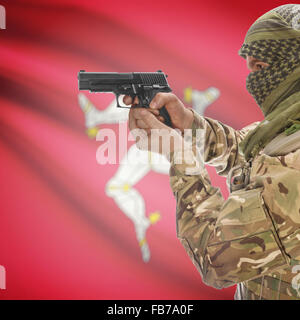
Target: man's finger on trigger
(127, 100)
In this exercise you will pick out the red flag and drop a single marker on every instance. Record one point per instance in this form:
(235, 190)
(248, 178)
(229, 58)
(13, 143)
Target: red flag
(71, 228)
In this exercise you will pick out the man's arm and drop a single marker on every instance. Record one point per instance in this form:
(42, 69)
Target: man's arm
(251, 234)
(221, 143)
(255, 231)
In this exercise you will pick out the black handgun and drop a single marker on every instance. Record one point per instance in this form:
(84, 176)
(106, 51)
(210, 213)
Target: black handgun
(144, 85)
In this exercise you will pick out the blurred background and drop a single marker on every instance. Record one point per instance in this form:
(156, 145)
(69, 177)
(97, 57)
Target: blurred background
(71, 228)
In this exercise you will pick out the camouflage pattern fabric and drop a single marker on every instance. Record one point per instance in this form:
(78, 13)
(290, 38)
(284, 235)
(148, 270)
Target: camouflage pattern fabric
(276, 122)
(252, 238)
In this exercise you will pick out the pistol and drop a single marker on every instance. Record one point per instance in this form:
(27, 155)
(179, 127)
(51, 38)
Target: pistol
(144, 85)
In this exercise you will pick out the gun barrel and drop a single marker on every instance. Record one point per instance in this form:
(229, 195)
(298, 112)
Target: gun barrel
(104, 81)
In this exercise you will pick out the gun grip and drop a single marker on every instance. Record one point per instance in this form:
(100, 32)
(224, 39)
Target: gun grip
(164, 113)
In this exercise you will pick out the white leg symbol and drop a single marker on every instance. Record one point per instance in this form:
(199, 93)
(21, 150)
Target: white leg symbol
(200, 100)
(159, 163)
(94, 117)
(133, 168)
(137, 163)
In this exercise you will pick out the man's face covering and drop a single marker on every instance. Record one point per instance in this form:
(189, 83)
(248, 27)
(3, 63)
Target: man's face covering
(274, 38)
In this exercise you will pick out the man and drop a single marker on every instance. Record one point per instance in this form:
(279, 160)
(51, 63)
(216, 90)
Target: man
(253, 238)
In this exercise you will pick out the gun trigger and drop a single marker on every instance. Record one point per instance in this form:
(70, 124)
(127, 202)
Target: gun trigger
(117, 98)
(132, 96)
(120, 103)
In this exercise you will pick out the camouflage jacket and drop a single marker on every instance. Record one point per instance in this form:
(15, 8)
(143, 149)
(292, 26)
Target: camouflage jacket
(252, 238)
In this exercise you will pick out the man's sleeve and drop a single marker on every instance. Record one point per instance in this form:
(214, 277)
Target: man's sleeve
(221, 142)
(245, 236)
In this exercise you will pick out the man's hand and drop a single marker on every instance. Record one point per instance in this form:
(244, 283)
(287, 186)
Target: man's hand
(181, 117)
(151, 134)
